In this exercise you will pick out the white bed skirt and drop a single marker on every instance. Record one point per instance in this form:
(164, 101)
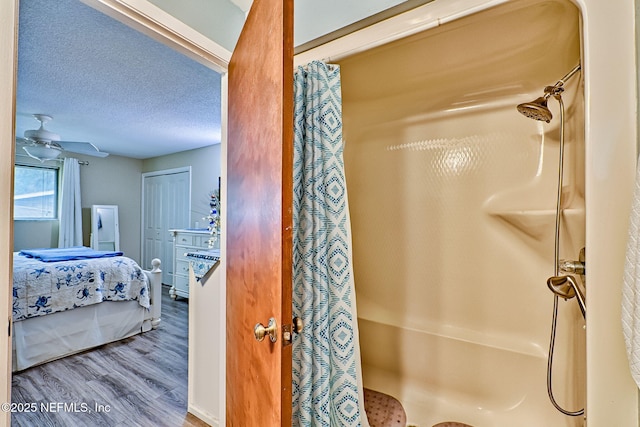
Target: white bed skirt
(42, 339)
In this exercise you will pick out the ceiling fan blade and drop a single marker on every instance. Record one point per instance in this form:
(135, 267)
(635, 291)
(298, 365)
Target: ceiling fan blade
(86, 148)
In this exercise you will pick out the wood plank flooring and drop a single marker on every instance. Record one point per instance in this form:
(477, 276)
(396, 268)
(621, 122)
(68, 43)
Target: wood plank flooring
(140, 381)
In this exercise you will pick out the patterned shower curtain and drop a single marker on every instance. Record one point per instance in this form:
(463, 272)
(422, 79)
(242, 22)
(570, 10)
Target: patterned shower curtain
(70, 228)
(327, 381)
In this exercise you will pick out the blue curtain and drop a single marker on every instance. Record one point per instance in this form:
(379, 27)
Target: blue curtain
(327, 385)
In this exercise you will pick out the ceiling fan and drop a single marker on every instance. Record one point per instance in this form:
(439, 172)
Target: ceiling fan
(43, 145)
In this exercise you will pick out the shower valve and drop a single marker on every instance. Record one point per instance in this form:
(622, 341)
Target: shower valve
(576, 267)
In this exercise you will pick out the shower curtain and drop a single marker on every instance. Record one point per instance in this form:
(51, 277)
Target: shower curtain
(327, 380)
(70, 229)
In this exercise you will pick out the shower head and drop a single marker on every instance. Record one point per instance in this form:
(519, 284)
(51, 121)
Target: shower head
(537, 109)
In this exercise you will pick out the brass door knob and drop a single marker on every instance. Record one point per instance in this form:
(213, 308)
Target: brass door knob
(272, 330)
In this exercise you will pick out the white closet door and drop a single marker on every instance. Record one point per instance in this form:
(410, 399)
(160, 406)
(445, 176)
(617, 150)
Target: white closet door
(166, 206)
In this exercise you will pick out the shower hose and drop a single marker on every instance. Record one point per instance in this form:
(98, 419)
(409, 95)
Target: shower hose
(556, 269)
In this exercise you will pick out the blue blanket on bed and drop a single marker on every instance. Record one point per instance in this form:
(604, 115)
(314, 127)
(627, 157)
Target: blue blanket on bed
(40, 288)
(67, 254)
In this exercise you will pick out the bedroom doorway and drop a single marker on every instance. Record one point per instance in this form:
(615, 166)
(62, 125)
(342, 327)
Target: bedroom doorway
(166, 202)
(143, 17)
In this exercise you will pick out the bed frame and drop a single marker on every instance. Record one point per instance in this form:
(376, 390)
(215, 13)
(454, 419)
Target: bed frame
(155, 283)
(42, 339)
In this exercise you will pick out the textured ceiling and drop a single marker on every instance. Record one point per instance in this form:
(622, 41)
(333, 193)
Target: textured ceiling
(106, 83)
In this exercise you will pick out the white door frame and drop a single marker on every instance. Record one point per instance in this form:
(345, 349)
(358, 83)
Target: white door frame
(8, 64)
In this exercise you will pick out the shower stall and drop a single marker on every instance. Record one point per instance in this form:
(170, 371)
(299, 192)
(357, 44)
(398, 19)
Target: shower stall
(453, 198)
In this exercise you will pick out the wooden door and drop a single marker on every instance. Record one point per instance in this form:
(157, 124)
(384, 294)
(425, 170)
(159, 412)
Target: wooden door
(259, 218)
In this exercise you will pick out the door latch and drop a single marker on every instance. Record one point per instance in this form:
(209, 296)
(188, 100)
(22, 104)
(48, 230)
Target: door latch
(287, 338)
(288, 330)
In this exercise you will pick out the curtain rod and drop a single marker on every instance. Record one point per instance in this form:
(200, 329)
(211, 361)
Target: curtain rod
(80, 162)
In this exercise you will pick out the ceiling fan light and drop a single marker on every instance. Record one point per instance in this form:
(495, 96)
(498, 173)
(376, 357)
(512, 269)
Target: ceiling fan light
(42, 152)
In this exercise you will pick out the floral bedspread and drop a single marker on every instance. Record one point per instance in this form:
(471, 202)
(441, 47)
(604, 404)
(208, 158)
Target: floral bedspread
(40, 288)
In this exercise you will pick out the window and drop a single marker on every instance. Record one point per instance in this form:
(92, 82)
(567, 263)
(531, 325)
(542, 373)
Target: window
(35, 193)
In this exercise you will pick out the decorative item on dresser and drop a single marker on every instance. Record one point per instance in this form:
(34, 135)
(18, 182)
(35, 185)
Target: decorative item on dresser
(185, 240)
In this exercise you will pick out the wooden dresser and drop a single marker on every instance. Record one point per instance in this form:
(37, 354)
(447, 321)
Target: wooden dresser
(185, 240)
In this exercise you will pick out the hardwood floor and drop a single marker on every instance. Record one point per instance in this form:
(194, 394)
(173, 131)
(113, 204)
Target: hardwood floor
(139, 381)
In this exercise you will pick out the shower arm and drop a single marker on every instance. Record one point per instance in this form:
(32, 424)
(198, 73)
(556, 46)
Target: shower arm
(570, 74)
(557, 89)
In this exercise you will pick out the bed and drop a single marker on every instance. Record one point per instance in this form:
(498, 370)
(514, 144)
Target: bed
(69, 300)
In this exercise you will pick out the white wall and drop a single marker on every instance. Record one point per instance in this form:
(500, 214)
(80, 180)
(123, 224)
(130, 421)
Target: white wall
(315, 19)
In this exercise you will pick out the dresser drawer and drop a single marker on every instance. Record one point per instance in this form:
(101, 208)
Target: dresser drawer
(182, 267)
(181, 252)
(185, 239)
(201, 241)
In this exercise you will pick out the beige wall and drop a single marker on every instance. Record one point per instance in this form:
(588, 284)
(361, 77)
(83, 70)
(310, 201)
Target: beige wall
(99, 186)
(116, 180)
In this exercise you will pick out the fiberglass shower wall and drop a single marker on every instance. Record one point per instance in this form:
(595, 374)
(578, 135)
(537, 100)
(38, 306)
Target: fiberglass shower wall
(452, 196)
